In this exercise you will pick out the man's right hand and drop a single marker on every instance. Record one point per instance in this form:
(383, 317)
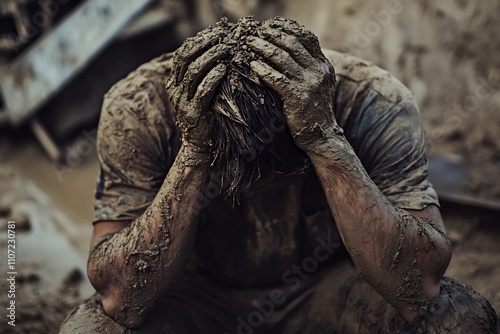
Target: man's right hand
(195, 77)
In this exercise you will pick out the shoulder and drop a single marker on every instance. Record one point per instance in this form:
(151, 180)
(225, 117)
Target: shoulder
(149, 76)
(136, 116)
(369, 100)
(140, 99)
(357, 76)
(382, 122)
(137, 141)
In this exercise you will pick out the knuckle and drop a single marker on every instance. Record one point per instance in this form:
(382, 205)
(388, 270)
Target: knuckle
(215, 50)
(291, 39)
(220, 68)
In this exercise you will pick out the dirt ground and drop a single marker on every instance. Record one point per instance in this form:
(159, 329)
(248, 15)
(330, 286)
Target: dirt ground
(446, 52)
(51, 277)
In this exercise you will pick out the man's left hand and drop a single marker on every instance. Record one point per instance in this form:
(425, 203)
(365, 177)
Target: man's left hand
(299, 72)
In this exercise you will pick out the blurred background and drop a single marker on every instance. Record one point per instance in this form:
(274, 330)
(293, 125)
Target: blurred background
(58, 58)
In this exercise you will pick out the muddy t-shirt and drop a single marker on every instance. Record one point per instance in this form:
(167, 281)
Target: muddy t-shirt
(256, 240)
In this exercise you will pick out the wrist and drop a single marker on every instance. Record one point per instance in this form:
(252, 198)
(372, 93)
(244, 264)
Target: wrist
(326, 142)
(195, 156)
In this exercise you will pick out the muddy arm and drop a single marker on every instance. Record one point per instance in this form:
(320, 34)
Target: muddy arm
(402, 254)
(134, 266)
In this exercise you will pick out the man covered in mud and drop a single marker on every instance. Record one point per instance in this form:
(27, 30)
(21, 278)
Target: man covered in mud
(273, 194)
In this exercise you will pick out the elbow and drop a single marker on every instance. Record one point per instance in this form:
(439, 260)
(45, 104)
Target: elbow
(434, 267)
(446, 251)
(111, 305)
(96, 273)
(441, 257)
(113, 302)
(114, 307)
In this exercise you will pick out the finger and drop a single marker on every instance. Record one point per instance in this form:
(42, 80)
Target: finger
(192, 48)
(199, 68)
(279, 58)
(274, 79)
(289, 43)
(173, 91)
(205, 91)
(170, 85)
(306, 37)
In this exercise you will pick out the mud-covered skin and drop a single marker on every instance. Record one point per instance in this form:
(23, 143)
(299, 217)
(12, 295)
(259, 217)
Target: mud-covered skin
(133, 267)
(191, 89)
(254, 243)
(293, 64)
(399, 254)
(336, 300)
(145, 258)
(382, 240)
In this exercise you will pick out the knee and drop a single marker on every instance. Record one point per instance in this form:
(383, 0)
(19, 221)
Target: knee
(460, 309)
(89, 317)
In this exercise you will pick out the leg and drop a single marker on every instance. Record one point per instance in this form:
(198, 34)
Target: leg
(342, 302)
(190, 306)
(459, 309)
(89, 317)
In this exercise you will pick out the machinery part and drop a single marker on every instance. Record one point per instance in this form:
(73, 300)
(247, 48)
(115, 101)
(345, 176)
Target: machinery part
(37, 74)
(17, 31)
(25, 20)
(46, 140)
(448, 174)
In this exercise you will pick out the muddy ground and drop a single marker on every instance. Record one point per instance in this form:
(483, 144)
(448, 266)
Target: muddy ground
(446, 52)
(49, 271)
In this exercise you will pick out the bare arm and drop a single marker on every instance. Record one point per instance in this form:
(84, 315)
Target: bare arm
(132, 267)
(402, 254)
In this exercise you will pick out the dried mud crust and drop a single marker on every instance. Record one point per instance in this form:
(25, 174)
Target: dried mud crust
(235, 34)
(452, 312)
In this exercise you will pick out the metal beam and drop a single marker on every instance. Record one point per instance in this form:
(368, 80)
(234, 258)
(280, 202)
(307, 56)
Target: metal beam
(41, 71)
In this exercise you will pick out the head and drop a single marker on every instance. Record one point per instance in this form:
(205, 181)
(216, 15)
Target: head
(234, 9)
(250, 138)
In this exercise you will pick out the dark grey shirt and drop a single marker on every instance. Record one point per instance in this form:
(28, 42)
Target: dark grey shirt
(262, 237)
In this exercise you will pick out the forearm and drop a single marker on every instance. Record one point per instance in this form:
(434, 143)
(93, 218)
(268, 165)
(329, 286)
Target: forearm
(133, 267)
(396, 252)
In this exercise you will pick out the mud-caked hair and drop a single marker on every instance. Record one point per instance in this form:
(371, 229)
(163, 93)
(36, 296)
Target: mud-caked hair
(249, 135)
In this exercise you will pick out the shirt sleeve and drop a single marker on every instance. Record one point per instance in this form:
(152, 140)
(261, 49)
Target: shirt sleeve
(387, 134)
(136, 143)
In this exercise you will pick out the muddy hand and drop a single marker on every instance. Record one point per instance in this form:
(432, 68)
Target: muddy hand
(302, 76)
(195, 76)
